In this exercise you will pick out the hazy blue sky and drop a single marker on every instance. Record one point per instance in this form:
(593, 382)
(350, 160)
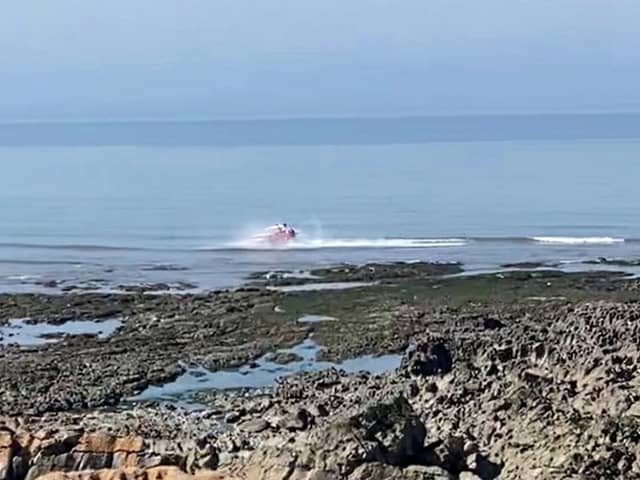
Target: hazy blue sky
(241, 58)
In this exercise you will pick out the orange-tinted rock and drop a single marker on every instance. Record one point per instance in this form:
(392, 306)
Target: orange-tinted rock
(155, 473)
(6, 439)
(26, 442)
(6, 453)
(123, 451)
(96, 443)
(128, 444)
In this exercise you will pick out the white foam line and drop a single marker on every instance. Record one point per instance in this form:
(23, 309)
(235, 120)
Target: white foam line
(355, 243)
(578, 240)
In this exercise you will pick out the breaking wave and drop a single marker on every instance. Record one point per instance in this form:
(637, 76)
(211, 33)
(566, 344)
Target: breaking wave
(578, 240)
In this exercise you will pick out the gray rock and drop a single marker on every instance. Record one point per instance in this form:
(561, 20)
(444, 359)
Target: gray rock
(256, 425)
(283, 358)
(299, 420)
(318, 410)
(468, 476)
(233, 417)
(380, 471)
(429, 357)
(395, 429)
(483, 467)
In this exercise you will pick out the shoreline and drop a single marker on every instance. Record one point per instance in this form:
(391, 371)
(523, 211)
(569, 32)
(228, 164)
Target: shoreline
(487, 363)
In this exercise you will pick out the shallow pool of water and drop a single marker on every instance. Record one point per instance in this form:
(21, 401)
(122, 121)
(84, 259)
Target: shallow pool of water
(315, 319)
(19, 332)
(265, 373)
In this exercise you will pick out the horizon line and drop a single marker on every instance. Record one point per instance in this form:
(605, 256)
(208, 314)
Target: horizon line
(162, 120)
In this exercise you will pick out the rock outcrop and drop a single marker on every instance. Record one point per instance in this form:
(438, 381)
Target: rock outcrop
(28, 456)
(545, 387)
(154, 473)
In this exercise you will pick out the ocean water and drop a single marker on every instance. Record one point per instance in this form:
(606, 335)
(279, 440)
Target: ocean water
(115, 204)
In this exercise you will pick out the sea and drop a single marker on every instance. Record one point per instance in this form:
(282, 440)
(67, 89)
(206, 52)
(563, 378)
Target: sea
(107, 204)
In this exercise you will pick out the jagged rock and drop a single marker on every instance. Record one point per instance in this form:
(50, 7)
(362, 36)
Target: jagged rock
(233, 417)
(29, 456)
(429, 357)
(297, 421)
(321, 411)
(283, 358)
(491, 323)
(395, 429)
(449, 454)
(379, 471)
(387, 431)
(267, 464)
(468, 476)
(481, 466)
(6, 454)
(552, 393)
(256, 425)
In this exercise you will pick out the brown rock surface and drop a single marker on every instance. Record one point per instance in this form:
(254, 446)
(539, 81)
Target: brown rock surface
(155, 473)
(30, 456)
(531, 388)
(6, 454)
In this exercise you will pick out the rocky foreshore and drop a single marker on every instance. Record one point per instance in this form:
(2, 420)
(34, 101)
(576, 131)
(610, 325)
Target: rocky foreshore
(512, 375)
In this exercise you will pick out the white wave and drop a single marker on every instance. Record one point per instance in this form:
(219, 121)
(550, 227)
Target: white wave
(23, 278)
(302, 244)
(573, 262)
(578, 240)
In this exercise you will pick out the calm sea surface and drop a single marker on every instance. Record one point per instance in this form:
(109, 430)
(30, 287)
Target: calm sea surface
(125, 203)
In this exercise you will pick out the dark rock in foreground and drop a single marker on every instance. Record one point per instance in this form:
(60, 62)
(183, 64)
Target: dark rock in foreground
(514, 375)
(553, 396)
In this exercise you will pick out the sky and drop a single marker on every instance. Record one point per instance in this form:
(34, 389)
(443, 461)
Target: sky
(216, 59)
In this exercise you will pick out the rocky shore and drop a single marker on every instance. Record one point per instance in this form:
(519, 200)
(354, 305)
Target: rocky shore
(514, 375)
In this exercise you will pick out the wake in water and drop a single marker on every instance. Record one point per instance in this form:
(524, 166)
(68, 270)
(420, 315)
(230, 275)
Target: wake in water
(255, 240)
(317, 243)
(303, 241)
